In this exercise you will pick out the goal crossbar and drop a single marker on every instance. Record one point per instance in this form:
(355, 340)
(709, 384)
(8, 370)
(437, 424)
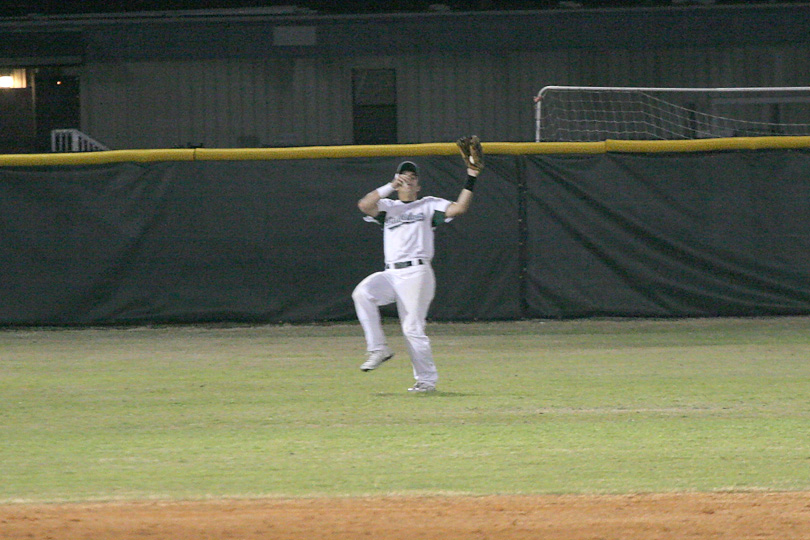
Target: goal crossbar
(593, 113)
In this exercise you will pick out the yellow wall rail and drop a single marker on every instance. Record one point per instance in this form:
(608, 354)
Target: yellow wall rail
(399, 150)
(95, 158)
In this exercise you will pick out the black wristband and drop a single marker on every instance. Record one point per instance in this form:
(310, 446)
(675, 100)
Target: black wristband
(470, 182)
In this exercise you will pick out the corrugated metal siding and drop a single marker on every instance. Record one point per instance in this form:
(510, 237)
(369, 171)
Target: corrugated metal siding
(216, 103)
(308, 101)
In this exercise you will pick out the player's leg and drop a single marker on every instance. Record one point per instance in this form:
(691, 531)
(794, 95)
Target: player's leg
(415, 288)
(368, 296)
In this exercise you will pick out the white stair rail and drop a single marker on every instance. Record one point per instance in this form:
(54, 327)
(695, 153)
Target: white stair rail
(73, 140)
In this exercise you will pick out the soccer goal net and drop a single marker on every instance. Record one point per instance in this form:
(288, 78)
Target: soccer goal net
(582, 113)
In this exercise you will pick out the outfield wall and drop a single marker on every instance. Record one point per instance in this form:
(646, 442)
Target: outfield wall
(629, 229)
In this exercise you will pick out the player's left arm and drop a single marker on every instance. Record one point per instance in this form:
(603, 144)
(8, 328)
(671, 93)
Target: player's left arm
(473, 155)
(465, 198)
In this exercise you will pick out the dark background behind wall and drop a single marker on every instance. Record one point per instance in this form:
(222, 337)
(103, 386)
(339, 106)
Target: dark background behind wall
(714, 233)
(231, 78)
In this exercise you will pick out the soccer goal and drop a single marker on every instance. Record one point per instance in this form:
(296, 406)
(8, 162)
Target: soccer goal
(594, 113)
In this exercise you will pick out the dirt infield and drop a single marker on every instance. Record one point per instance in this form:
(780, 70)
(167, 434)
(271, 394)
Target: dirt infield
(732, 516)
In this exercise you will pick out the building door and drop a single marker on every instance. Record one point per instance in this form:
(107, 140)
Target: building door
(17, 127)
(374, 94)
(57, 104)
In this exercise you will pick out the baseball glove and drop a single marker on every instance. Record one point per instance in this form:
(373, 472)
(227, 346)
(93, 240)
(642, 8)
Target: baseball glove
(472, 152)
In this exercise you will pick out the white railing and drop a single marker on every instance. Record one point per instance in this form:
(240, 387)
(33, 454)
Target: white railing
(73, 140)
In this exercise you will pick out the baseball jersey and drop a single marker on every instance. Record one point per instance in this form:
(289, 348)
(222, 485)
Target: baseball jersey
(408, 227)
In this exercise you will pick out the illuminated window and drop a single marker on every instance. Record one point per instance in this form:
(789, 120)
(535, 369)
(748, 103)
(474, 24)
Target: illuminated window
(13, 78)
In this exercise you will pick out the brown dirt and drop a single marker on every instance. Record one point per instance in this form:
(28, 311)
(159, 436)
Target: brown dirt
(699, 516)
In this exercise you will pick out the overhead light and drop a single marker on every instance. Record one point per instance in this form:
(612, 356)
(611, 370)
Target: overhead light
(6, 81)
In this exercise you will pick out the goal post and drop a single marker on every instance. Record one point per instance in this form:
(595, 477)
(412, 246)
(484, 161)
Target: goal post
(598, 113)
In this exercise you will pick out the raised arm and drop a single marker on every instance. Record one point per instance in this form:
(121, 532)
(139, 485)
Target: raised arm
(368, 204)
(464, 200)
(473, 155)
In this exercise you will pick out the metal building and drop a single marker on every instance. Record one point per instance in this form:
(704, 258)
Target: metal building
(267, 77)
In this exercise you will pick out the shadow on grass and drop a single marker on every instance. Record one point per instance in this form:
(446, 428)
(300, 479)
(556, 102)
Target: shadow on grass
(425, 395)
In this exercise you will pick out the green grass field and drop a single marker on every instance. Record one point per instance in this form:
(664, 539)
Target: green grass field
(592, 406)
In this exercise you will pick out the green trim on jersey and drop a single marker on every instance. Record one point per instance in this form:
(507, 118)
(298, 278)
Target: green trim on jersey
(438, 218)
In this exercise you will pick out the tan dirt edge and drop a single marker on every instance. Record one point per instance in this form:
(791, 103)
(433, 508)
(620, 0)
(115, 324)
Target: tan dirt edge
(694, 516)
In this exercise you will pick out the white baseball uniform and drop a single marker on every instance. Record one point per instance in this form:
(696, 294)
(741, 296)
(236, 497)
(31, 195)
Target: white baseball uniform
(408, 278)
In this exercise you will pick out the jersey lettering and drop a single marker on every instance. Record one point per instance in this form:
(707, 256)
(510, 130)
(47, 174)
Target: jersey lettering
(404, 219)
(408, 227)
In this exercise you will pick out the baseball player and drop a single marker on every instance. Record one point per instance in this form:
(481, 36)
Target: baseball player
(408, 278)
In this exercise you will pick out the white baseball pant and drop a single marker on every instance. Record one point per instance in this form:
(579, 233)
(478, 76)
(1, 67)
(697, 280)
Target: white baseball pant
(412, 288)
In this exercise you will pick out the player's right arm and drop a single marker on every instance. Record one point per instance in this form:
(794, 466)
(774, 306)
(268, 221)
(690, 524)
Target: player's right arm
(368, 204)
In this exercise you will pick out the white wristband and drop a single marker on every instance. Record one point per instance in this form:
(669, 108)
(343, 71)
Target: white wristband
(385, 191)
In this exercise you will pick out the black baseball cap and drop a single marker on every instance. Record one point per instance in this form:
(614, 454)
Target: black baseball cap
(407, 166)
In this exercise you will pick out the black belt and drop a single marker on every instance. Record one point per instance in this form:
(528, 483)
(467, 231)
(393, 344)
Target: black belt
(404, 264)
